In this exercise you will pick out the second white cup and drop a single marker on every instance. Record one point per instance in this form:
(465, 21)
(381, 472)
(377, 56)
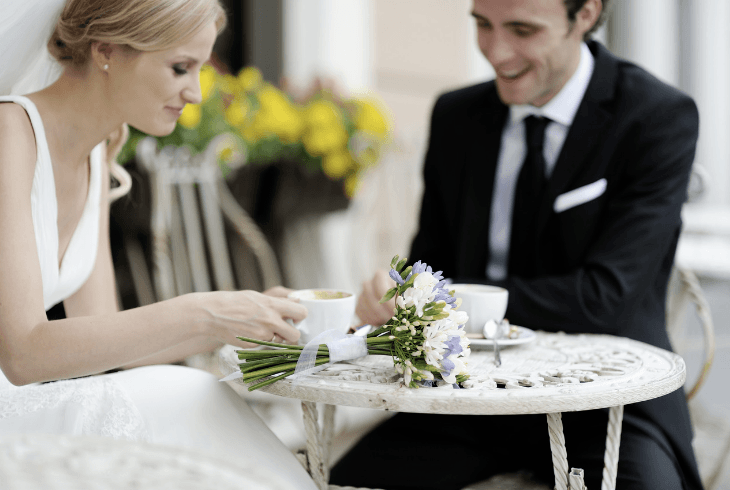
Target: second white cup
(482, 303)
(326, 309)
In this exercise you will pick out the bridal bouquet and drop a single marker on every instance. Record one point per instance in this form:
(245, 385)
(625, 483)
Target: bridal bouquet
(425, 337)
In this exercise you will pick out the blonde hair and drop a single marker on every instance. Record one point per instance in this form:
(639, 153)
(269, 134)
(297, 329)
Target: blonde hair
(142, 25)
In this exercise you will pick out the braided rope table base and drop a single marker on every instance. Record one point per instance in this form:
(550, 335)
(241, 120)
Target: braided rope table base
(555, 373)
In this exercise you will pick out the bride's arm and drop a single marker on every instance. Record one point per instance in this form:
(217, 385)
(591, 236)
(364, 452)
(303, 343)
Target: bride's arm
(33, 349)
(98, 294)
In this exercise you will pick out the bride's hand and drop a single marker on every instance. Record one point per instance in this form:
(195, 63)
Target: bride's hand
(279, 292)
(228, 315)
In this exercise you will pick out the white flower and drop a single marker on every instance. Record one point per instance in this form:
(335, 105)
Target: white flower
(458, 317)
(415, 297)
(425, 282)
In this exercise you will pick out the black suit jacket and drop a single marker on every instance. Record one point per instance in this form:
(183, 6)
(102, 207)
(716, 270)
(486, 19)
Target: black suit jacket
(602, 266)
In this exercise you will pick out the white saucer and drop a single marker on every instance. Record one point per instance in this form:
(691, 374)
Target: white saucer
(524, 336)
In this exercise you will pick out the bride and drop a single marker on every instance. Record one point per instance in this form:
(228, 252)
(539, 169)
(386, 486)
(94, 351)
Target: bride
(117, 62)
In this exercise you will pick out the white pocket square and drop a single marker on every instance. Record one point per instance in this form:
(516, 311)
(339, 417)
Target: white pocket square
(579, 196)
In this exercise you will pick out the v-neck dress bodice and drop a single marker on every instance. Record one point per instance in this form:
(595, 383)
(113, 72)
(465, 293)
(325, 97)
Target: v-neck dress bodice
(60, 282)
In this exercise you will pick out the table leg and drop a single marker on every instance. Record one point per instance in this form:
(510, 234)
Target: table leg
(318, 442)
(557, 447)
(328, 429)
(613, 440)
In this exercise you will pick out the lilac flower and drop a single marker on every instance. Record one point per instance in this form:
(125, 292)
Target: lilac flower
(448, 365)
(453, 346)
(396, 277)
(418, 267)
(443, 295)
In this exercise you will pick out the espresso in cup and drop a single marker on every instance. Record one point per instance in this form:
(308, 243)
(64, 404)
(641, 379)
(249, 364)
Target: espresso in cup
(326, 309)
(482, 303)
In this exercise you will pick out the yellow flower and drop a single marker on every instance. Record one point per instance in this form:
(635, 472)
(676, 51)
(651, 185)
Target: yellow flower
(335, 165)
(249, 133)
(236, 112)
(272, 98)
(191, 115)
(277, 116)
(290, 125)
(207, 81)
(370, 118)
(352, 183)
(229, 84)
(321, 141)
(249, 78)
(321, 112)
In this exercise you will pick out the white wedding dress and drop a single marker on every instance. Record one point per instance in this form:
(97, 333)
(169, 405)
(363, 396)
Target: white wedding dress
(168, 405)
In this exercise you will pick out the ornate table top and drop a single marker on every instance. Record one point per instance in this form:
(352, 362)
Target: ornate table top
(55, 462)
(555, 373)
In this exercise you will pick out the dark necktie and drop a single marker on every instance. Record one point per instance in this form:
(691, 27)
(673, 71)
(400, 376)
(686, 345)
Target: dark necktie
(528, 196)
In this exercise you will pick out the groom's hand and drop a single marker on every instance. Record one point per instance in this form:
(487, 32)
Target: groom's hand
(369, 309)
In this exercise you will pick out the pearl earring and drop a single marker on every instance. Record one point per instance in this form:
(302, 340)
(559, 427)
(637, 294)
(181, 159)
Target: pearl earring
(106, 67)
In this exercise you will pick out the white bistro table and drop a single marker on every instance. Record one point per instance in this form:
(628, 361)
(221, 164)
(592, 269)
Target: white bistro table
(553, 374)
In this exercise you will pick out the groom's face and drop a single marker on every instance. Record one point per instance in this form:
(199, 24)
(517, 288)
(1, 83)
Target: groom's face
(531, 45)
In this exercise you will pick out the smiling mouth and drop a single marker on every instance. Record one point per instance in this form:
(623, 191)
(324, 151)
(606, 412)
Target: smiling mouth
(176, 110)
(510, 77)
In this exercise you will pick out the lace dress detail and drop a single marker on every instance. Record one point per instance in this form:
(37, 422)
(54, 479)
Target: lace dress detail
(99, 405)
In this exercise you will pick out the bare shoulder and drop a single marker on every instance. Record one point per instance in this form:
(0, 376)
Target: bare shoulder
(17, 147)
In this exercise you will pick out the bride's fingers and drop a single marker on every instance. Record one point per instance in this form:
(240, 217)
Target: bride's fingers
(278, 292)
(289, 309)
(286, 332)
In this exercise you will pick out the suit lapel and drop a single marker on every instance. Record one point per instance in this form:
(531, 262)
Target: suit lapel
(588, 129)
(484, 140)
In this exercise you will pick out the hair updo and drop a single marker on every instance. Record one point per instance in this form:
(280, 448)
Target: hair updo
(143, 25)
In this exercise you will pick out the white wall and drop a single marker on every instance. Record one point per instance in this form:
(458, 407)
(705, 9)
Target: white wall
(329, 39)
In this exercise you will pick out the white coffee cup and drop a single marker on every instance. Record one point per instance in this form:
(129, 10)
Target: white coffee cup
(482, 303)
(326, 309)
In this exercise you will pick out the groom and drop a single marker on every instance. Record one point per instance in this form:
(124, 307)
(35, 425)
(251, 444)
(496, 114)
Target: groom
(562, 180)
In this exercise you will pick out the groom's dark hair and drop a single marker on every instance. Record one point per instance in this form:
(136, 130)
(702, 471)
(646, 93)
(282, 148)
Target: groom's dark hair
(574, 6)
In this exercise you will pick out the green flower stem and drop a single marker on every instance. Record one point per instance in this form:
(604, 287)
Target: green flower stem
(252, 360)
(270, 344)
(271, 380)
(254, 366)
(379, 340)
(263, 354)
(383, 329)
(280, 368)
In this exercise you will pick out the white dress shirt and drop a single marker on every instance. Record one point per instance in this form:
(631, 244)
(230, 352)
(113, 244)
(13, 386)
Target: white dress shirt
(560, 110)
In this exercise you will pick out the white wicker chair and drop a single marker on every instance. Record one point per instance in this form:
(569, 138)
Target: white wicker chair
(189, 204)
(712, 431)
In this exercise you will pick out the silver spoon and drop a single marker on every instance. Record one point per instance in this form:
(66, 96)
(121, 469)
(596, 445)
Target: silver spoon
(490, 331)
